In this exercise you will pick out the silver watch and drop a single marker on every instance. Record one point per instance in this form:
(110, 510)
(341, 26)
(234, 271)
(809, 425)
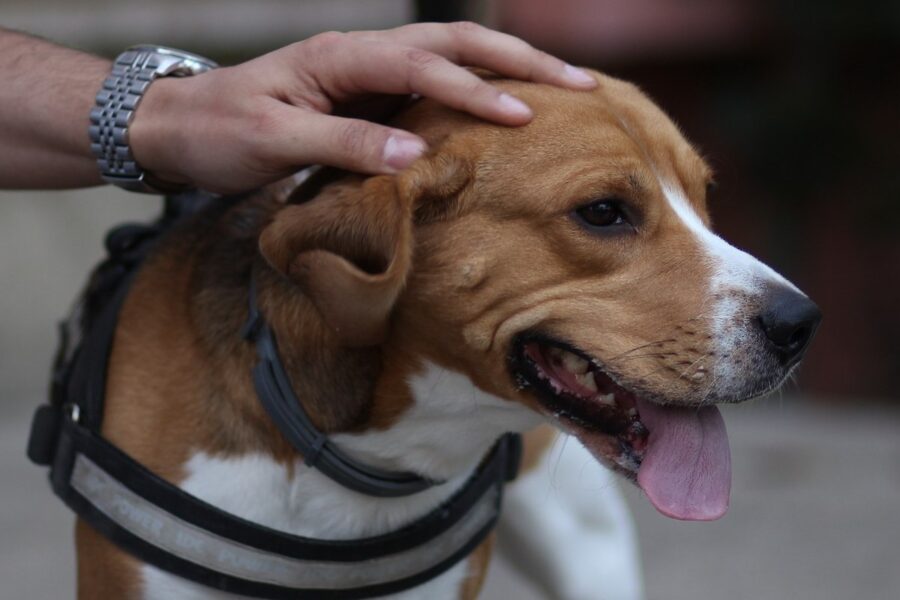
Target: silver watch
(132, 73)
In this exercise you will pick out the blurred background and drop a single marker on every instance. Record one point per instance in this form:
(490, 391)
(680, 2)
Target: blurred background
(795, 104)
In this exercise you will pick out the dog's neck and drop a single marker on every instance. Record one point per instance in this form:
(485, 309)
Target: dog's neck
(385, 406)
(447, 430)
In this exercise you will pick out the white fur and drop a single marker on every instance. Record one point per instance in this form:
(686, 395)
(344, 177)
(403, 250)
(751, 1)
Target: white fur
(443, 435)
(448, 430)
(566, 527)
(733, 269)
(737, 280)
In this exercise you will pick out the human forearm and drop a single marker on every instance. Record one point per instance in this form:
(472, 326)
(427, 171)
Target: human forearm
(236, 128)
(46, 95)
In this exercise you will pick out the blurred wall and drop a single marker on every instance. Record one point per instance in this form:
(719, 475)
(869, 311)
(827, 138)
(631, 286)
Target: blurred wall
(223, 29)
(48, 241)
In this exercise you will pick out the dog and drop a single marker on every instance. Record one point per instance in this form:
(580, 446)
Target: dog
(563, 272)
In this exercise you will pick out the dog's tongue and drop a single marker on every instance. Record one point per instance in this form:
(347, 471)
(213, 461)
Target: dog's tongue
(686, 470)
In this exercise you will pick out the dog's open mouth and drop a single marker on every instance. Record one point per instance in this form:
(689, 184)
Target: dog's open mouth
(679, 456)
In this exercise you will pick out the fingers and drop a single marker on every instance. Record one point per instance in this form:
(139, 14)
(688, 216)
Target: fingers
(284, 97)
(348, 67)
(470, 44)
(308, 137)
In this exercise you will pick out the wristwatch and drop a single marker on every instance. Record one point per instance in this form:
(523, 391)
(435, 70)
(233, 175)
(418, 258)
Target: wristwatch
(132, 73)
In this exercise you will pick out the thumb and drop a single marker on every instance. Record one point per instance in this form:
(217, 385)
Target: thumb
(352, 144)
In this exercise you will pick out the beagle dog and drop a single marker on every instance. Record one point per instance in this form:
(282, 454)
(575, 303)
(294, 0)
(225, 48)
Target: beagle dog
(560, 273)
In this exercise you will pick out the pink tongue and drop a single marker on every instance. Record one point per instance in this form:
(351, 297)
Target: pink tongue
(686, 470)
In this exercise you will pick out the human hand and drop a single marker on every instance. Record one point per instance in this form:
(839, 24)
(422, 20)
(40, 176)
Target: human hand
(236, 128)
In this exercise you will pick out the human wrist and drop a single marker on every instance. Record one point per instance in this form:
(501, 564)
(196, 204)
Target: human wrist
(157, 133)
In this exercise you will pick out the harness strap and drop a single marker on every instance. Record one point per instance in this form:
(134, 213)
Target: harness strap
(273, 387)
(164, 526)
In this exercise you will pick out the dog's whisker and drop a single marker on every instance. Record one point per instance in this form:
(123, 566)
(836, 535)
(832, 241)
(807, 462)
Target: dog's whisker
(636, 348)
(553, 472)
(689, 367)
(636, 356)
(700, 315)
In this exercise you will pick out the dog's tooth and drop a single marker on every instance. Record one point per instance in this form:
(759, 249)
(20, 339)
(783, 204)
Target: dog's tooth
(587, 380)
(608, 399)
(575, 363)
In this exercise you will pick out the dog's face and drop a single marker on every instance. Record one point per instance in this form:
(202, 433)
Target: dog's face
(568, 265)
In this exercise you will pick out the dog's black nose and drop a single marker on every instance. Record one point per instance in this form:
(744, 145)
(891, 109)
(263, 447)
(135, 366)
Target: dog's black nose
(789, 320)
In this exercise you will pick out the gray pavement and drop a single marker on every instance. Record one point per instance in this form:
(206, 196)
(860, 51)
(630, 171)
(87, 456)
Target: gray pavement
(813, 517)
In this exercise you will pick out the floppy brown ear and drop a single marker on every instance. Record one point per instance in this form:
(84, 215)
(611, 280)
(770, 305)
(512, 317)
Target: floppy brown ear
(350, 247)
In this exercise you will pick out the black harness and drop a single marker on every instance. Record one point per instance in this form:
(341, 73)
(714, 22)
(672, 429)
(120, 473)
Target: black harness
(164, 526)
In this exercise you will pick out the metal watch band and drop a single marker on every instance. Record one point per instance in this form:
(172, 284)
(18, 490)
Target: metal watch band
(132, 73)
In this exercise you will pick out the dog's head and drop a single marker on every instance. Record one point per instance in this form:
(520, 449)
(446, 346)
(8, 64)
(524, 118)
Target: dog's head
(567, 265)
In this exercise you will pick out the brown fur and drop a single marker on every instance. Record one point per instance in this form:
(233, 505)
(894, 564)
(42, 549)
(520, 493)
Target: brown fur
(363, 279)
(534, 444)
(479, 561)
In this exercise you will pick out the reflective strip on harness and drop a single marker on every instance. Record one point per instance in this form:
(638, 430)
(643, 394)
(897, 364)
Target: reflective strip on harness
(184, 540)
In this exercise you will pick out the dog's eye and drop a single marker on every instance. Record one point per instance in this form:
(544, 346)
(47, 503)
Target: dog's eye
(603, 213)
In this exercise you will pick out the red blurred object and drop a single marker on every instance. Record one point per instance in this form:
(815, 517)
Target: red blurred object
(629, 30)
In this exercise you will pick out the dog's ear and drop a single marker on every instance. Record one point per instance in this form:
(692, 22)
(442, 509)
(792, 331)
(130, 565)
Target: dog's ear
(350, 247)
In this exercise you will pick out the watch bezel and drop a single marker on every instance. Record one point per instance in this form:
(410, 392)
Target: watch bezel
(190, 63)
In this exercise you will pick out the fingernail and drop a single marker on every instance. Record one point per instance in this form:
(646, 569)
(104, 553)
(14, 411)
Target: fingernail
(576, 75)
(400, 151)
(513, 106)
